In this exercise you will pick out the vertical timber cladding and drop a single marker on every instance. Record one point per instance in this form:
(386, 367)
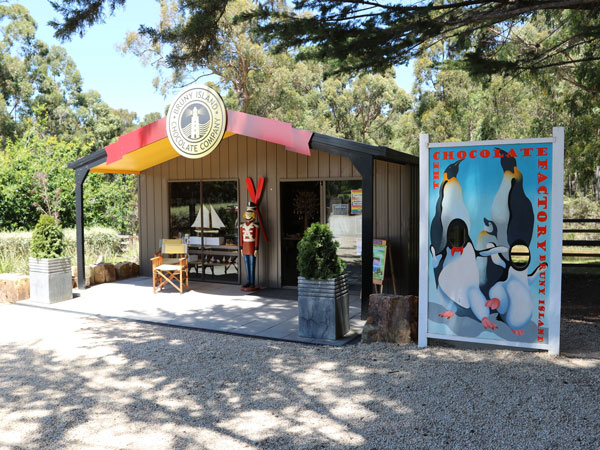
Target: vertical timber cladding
(395, 221)
(236, 158)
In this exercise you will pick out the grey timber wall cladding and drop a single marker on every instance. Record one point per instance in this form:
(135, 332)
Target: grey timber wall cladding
(238, 157)
(396, 220)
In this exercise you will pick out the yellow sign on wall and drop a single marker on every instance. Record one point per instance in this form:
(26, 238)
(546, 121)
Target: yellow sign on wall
(196, 121)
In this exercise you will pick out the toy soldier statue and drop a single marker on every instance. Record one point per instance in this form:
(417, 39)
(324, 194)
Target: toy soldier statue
(249, 239)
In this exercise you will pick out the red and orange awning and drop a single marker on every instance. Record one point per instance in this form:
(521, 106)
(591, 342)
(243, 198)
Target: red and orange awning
(149, 146)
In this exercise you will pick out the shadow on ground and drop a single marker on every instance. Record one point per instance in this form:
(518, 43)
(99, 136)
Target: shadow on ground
(92, 382)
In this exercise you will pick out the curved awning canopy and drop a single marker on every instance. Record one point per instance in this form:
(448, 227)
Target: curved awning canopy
(149, 146)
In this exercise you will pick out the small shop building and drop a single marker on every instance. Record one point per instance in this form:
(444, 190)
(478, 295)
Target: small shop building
(363, 192)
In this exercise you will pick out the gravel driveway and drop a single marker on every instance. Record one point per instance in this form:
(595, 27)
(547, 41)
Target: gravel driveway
(71, 381)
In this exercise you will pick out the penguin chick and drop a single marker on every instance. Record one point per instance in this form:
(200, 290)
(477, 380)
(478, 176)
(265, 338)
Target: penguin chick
(511, 298)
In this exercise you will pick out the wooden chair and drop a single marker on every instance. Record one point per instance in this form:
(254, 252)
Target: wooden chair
(161, 244)
(175, 273)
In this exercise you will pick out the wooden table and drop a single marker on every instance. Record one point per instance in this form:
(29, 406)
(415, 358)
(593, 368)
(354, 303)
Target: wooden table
(216, 255)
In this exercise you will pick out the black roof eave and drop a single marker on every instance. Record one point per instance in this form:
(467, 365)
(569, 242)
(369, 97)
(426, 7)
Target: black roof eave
(345, 147)
(89, 161)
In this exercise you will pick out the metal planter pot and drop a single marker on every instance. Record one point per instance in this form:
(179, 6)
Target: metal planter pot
(50, 280)
(323, 308)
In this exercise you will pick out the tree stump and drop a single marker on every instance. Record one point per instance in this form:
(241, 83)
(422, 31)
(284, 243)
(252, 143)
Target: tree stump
(391, 319)
(104, 273)
(13, 287)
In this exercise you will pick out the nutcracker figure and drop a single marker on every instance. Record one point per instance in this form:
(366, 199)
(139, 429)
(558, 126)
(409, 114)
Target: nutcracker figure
(249, 239)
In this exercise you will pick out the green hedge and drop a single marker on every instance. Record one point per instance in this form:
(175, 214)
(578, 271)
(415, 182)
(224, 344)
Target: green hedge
(99, 242)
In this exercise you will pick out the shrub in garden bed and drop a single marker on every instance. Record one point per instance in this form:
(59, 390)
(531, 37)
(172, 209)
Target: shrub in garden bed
(99, 242)
(14, 251)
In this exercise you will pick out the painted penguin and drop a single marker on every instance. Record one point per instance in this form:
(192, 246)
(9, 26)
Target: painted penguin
(453, 255)
(512, 212)
(503, 276)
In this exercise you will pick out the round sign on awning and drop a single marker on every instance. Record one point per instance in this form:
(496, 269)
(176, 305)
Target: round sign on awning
(196, 121)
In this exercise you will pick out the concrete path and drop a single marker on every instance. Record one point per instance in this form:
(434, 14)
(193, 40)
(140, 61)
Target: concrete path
(269, 313)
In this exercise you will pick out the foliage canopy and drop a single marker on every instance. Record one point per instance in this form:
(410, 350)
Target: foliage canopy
(363, 34)
(46, 121)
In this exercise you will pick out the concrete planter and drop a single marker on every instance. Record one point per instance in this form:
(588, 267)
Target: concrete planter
(323, 308)
(50, 280)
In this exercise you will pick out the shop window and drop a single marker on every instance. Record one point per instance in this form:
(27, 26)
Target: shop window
(206, 215)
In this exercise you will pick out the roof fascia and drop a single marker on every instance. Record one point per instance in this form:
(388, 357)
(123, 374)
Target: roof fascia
(345, 147)
(92, 160)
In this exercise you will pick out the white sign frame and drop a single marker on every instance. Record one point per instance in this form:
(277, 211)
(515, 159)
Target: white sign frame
(555, 264)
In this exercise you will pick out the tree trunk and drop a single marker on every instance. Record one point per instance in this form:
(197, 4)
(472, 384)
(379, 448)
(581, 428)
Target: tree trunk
(597, 183)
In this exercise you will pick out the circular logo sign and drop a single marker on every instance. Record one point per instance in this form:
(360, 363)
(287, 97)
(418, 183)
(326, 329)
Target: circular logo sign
(196, 121)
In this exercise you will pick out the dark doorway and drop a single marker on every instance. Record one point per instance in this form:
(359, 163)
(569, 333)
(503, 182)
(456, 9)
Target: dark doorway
(300, 207)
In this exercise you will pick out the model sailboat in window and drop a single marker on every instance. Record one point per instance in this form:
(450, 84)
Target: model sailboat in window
(208, 224)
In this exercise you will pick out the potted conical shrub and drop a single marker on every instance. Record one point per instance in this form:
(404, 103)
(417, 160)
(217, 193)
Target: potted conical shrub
(49, 270)
(323, 299)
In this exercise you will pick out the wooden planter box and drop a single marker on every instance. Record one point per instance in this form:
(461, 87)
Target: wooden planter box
(50, 280)
(323, 308)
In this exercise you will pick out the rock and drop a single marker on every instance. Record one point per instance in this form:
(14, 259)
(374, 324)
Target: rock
(104, 273)
(391, 319)
(89, 270)
(13, 287)
(123, 270)
(89, 276)
(74, 277)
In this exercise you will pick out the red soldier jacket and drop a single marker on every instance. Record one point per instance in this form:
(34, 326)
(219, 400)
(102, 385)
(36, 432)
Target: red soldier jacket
(249, 236)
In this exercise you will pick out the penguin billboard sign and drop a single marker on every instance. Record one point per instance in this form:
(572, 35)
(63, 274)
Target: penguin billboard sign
(491, 241)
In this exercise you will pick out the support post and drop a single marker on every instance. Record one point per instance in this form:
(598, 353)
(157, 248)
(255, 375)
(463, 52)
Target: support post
(80, 176)
(423, 238)
(364, 164)
(558, 164)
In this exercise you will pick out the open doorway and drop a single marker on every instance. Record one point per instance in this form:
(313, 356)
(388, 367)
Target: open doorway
(300, 207)
(337, 203)
(343, 214)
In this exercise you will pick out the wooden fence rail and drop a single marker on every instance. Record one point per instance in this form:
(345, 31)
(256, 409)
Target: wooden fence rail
(581, 242)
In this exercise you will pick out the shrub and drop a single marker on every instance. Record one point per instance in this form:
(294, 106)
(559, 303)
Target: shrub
(14, 251)
(47, 239)
(317, 254)
(580, 208)
(99, 242)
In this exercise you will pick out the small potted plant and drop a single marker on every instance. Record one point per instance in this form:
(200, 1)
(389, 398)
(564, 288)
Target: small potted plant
(323, 300)
(49, 270)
